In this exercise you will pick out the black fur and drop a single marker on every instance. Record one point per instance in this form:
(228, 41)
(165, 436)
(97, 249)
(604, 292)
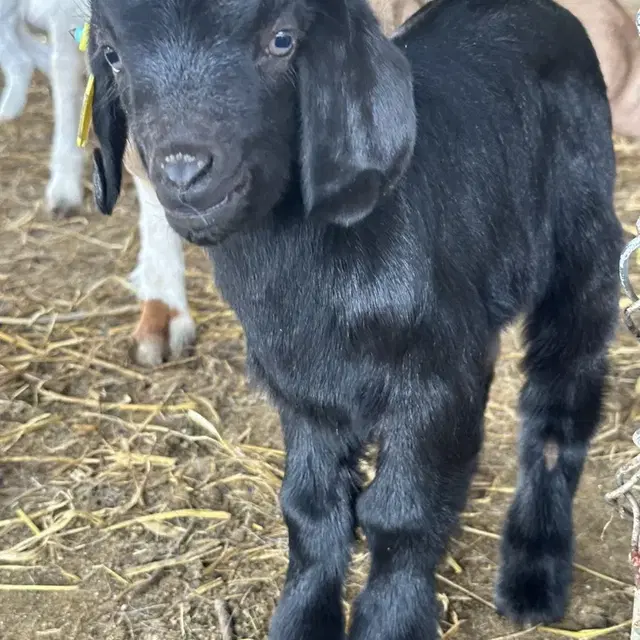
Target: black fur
(402, 203)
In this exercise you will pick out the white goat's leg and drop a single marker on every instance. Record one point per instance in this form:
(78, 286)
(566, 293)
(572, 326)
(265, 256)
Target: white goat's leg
(15, 62)
(39, 52)
(165, 327)
(65, 189)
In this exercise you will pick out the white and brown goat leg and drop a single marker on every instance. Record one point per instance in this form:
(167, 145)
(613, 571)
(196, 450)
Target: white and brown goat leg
(165, 329)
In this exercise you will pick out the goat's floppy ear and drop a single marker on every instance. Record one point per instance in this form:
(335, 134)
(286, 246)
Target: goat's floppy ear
(358, 121)
(110, 127)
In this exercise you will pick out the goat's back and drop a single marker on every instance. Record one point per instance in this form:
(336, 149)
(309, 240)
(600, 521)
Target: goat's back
(514, 143)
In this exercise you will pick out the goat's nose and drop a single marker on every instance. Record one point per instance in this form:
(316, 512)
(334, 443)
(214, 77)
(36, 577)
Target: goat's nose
(185, 167)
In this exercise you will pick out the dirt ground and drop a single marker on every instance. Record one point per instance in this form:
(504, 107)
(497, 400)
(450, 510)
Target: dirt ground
(137, 504)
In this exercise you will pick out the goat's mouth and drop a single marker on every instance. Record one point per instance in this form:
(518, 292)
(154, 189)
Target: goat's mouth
(188, 219)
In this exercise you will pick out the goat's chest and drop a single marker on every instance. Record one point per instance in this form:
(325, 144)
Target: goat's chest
(292, 327)
(300, 312)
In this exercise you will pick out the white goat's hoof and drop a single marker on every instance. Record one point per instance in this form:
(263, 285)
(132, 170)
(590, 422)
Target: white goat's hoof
(63, 197)
(162, 333)
(182, 335)
(150, 351)
(11, 107)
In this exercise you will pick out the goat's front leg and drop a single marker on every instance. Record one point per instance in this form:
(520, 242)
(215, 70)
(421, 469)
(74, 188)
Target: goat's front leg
(65, 189)
(318, 502)
(428, 451)
(166, 328)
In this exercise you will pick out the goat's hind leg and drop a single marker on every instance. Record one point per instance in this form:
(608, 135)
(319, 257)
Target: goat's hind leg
(566, 363)
(15, 62)
(39, 52)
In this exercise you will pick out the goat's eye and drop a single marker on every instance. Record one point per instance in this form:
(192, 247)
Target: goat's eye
(282, 44)
(113, 59)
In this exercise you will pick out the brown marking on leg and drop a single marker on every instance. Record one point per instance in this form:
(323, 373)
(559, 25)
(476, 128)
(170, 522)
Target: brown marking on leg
(152, 332)
(154, 320)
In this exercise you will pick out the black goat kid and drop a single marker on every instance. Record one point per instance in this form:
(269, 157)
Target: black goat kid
(376, 212)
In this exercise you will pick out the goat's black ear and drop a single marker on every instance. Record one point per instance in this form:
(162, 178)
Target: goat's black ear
(358, 121)
(110, 127)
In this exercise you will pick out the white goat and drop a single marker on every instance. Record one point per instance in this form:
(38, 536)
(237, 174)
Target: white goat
(165, 327)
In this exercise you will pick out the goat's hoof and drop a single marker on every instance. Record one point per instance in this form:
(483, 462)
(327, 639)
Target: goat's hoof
(11, 109)
(150, 351)
(182, 335)
(63, 199)
(8, 116)
(162, 334)
(64, 211)
(533, 589)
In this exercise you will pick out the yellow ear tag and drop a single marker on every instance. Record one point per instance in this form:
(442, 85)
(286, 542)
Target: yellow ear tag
(83, 43)
(82, 38)
(85, 113)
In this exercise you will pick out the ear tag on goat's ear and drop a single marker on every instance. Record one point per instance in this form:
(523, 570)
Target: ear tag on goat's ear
(81, 36)
(85, 113)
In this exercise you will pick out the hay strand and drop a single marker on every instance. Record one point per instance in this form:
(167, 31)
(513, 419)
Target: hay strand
(171, 515)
